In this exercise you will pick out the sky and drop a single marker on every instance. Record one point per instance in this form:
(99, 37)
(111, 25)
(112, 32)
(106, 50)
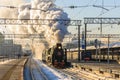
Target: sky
(110, 8)
(81, 12)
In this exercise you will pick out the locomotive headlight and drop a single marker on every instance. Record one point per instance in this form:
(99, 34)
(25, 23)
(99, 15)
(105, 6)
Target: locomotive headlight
(59, 47)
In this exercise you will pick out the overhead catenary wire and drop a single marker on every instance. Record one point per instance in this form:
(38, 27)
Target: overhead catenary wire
(115, 3)
(13, 7)
(105, 8)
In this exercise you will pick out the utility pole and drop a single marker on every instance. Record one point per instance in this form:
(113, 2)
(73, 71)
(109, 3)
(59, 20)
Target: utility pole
(85, 36)
(96, 46)
(108, 49)
(79, 54)
(100, 41)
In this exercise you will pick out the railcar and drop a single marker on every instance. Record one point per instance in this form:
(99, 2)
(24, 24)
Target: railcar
(103, 54)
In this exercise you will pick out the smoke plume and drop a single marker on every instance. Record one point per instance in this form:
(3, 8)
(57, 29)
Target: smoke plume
(39, 9)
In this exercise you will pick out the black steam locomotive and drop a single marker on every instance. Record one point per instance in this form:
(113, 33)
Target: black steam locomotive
(57, 56)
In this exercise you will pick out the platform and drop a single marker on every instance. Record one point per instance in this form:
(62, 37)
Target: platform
(12, 69)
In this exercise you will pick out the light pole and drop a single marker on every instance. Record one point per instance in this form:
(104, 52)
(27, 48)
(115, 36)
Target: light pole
(100, 41)
(85, 37)
(79, 54)
(108, 49)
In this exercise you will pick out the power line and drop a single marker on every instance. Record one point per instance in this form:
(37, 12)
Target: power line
(115, 3)
(13, 7)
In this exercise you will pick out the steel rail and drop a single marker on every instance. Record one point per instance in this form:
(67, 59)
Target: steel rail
(71, 75)
(81, 75)
(32, 62)
(30, 67)
(39, 69)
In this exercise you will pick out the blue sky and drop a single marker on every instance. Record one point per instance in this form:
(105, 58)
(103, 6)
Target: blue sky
(111, 9)
(79, 13)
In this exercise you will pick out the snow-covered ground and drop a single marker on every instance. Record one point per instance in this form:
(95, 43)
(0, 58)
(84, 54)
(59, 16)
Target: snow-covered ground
(52, 74)
(5, 61)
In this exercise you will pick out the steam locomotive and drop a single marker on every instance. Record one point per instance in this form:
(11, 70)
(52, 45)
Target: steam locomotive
(57, 56)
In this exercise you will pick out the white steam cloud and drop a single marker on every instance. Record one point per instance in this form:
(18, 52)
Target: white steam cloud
(40, 9)
(6, 12)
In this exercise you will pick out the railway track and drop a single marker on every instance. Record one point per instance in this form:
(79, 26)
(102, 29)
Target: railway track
(77, 74)
(83, 75)
(35, 71)
(11, 73)
(67, 73)
(40, 71)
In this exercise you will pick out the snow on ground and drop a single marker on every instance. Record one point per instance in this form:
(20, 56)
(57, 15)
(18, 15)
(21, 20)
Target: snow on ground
(5, 61)
(51, 73)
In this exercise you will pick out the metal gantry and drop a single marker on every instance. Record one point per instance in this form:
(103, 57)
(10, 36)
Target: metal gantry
(100, 20)
(7, 21)
(96, 35)
(95, 20)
